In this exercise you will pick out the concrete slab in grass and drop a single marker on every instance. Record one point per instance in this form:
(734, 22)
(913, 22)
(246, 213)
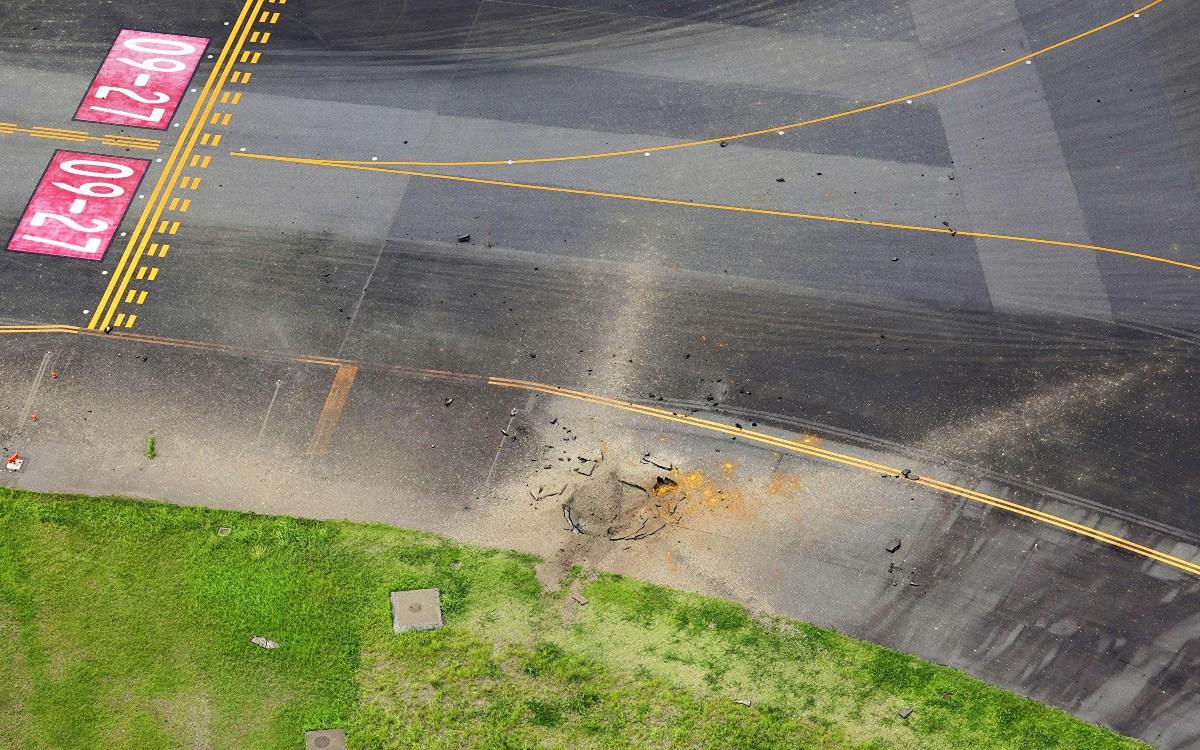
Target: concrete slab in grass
(420, 609)
(325, 739)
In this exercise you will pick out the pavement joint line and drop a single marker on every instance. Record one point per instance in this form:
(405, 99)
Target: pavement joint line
(904, 99)
(168, 179)
(727, 207)
(80, 136)
(762, 438)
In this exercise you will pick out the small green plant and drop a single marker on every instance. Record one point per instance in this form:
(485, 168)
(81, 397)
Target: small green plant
(150, 451)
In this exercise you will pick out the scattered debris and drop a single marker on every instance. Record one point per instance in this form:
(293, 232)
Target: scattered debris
(512, 413)
(947, 696)
(264, 642)
(108, 329)
(586, 468)
(893, 545)
(580, 598)
(464, 238)
(905, 713)
(420, 609)
(15, 462)
(907, 474)
(448, 401)
(571, 521)
(780, 179)
(223, 531)
(742, 701)
(456, 565)
(54, 374)
(544, 491)
(648, 459)
(724, 144)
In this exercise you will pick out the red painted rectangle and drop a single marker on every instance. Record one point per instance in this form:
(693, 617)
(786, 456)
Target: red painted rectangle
(142, 80)
(78, 205)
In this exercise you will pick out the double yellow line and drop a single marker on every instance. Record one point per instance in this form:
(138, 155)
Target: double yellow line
(169, 178)
(860, 463)
(80, 136)
(348, 367)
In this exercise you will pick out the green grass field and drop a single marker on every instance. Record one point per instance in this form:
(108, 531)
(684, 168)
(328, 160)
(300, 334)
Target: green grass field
(126, 624)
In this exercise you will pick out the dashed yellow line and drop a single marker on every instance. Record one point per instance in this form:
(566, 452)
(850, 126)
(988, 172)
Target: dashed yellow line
(774, 129)
(731, 208)
(80, 136)
(171, 173)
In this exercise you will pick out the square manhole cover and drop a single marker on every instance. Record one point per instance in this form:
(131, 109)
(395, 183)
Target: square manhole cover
(416, 610)
(325, 739)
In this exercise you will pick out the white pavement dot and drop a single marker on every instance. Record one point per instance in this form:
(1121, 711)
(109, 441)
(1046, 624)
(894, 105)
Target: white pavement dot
(158, 160)
(1029, 62)
(510, 161)
(241, 149)
(908, 101)
(176, 124)
(374, 158)
(104, 273)
(781, 132)
(646, 153)
(1137, 15)
(124, 233)
(193, 91)
(85, 312)
(226, 23)
(210, 57)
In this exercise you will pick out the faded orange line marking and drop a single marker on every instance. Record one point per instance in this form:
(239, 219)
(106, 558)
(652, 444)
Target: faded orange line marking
(339, 391)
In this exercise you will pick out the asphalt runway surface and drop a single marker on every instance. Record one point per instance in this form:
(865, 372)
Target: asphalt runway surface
(955, 238)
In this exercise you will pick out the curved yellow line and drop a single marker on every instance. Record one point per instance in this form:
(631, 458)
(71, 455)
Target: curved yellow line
(848, 460)
(774, 128)
(725, 207)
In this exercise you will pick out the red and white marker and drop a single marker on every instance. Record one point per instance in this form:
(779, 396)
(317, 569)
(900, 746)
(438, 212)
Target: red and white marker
(142, 80)
(78, 205)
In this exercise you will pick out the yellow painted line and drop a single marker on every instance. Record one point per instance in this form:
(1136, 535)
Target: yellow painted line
(130, 320)
(347, 370)
(174, 228)
(138, 239)
(78, 136)
(152, 249)
(130, 296)
(274, 17)
(205, 161)
(174, 204)
(266, 37)
(206, 137)
(162, 250)
(184, 205)
(215, 118)
(335, 401)
(141, 273)
(225, 118)
(774, 129)
(254, 37)
(153, 273)
(142, 296)
(255, 58)
(731, 208)
(848, 460)
(38, 328)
